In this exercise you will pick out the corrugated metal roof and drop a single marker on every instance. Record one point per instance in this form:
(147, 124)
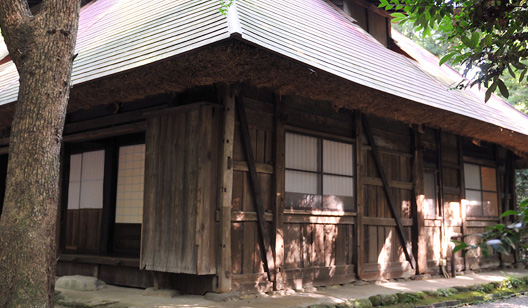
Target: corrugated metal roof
(115, 36)
(316, 34)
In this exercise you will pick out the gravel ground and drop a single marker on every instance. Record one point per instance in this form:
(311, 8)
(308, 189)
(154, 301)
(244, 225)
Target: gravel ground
(514, 302)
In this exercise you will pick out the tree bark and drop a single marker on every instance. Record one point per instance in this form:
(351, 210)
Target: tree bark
(42, 47)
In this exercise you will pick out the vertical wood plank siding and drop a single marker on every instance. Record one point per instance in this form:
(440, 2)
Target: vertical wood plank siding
(383, 253)
(180, 202)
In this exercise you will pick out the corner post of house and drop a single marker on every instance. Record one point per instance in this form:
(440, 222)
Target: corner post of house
(418, 203)
(225, 191)
(279, 159)
(359, 194)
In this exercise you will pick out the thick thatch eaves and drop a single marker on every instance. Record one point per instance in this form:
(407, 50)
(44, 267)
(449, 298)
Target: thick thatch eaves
(132, 49)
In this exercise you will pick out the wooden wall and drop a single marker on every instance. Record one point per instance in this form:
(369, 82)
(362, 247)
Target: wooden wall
(246, 251)
(84, 230)
(319, 247)
(182, 218)
(383, 251)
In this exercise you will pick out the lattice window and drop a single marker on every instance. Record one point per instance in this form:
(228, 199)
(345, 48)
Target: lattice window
(86, 181)
(130, 182)
(319, 173)
(481, 190)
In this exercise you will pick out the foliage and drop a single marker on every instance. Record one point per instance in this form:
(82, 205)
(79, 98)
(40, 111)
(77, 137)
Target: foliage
(489, 39)
(501, 237)
(521, 183)
(224, 6)
(512, 282)
(446, 292)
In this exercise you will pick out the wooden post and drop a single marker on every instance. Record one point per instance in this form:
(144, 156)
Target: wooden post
(441, 206)
(225, 192)
(418, 206)
(279, 141)
(359, 196)
(401, 232)
(463, 202)
(109, 197)
(63, 208)
(255, 184)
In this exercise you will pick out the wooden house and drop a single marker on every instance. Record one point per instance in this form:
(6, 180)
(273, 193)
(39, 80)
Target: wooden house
(280, 146)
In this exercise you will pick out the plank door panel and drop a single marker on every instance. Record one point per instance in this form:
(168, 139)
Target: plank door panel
(180, 191)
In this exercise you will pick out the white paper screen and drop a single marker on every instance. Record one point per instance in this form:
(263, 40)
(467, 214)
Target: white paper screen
(130, 183)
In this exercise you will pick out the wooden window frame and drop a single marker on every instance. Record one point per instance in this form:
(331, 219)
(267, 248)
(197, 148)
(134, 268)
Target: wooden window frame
(320, 173)
(111, 148)
(480, 165)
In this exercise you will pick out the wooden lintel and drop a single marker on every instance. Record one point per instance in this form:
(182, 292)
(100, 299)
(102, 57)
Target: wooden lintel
(255, 185)
(181, 108)
(107, 132)
(401, 232)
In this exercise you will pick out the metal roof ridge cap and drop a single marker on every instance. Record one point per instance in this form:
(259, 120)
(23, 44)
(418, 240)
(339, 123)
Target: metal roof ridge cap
(233, 21)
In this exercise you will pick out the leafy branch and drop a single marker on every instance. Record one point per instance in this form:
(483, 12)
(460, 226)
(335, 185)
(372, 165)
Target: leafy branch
(489, 38)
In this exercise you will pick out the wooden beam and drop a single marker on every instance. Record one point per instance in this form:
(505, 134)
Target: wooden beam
(279, 185)
(255, 184)
(225, 192)
(401, 231)
(360, 237)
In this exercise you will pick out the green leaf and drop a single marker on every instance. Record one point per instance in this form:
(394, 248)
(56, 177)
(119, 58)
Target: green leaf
(503, 89)
(465, 40)
(522, 75)
(398, 15)
(488, 95)
(512, 73)
(474, 39)
(446, 58)
(510, 212)
(460, 247)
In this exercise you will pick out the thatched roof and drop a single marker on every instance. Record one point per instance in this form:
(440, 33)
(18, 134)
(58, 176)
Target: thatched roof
(130, 50)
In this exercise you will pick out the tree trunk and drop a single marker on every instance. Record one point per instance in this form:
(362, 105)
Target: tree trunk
(42, 48)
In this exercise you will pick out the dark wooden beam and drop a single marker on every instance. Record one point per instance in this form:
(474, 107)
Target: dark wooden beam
(401, 231)
(255, 184)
